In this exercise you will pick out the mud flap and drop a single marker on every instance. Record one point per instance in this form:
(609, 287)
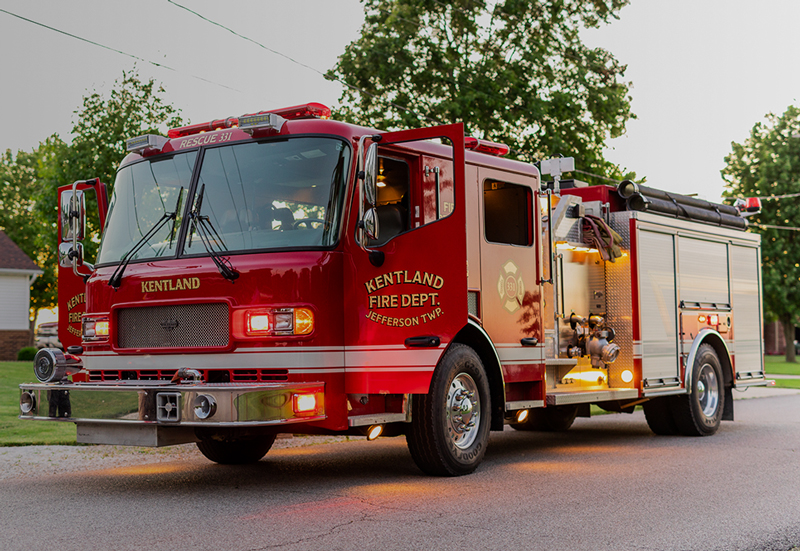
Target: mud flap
(727, 412)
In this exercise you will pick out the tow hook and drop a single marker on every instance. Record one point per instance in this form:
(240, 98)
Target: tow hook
(187, 374)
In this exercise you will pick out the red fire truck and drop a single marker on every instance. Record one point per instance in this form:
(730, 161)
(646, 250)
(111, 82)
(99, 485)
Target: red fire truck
(281, 272)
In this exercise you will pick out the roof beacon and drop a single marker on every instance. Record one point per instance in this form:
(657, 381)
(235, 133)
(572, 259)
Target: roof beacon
(150, 143)
(261, 121)
(485, 146)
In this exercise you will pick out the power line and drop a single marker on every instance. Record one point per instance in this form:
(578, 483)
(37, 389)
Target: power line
(323, 75)
(343, 82)
(771, 227)
(112, 49)
(771, 197)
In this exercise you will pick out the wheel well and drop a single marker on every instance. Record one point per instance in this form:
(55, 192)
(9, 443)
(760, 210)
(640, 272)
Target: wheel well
(474, 337)
(724, 357)
(716, 342)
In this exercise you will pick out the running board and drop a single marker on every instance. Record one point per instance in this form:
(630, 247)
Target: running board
(590, 397)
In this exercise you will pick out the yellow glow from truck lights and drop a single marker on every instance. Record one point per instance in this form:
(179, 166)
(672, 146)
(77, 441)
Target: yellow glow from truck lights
(303, 321)
(593, 376)
(374, 432)
(522, 416)
(304, 403)
(701, 318)
(101, 328)
(627, 376)
(258, 323)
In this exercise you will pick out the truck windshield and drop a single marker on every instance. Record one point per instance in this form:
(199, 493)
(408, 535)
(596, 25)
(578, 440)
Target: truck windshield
(143, 193)
(271, 195)
(254, 196)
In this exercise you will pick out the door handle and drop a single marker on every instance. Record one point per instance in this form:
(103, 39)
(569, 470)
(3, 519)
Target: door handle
(427, 341)
(529, 341)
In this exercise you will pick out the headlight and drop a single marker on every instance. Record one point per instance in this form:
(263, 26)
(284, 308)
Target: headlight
(95, 329)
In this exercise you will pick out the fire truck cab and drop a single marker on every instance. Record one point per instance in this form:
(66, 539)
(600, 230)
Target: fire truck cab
(285, 273)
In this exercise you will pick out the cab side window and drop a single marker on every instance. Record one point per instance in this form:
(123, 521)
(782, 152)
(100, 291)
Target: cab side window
(507, 213)
(393, 199)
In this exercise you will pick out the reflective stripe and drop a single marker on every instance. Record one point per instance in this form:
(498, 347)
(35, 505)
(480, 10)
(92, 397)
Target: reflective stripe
(276, 359)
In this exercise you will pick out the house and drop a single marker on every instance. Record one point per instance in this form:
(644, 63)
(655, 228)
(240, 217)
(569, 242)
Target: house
(17, 274)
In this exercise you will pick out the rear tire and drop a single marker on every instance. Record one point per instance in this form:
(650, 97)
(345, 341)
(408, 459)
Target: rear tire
(549, 419)
(700, 412)
(449, 428)
(236, 452)
(658, 412)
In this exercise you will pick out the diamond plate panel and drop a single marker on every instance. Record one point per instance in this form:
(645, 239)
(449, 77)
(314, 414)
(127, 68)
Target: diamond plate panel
(619, 305)
(174, 326)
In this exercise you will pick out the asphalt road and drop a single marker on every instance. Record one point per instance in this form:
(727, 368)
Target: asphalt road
(607, 484)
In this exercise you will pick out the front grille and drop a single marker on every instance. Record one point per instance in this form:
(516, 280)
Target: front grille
(259, 375)
(175, 326)
(209, 375)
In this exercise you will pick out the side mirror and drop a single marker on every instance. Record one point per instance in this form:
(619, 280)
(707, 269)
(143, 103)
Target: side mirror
(370, 224)
(73, 215)
(371, 174)
(65, 254)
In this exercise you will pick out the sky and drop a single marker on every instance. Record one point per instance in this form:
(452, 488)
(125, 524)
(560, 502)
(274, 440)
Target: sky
(703, 72)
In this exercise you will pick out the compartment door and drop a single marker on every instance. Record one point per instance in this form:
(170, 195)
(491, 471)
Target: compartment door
(658, 310)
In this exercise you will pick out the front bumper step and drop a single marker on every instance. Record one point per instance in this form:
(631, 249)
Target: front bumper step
(131, 403)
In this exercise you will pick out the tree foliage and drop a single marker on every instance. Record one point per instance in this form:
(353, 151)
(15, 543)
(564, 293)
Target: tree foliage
(29, 181)
(767, 163)
(514, 71)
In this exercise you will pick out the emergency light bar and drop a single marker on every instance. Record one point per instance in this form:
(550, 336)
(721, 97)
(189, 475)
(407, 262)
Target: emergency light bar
(485, 146)
(306, 111)
(219, 124)
(148, 141)
(261, 121)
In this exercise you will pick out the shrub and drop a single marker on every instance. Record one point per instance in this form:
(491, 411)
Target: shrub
(26, 354)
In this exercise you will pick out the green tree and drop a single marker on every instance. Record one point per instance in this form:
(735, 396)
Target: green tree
(29, 181)
(767, 163)
(515, 72)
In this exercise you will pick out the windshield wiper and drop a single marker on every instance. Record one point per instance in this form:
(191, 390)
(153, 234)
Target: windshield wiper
(116, 277)
(175, 218)
(205, 230)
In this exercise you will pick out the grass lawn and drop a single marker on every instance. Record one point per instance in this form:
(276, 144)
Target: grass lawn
(777, 365)
(787, 383)
(15, 432)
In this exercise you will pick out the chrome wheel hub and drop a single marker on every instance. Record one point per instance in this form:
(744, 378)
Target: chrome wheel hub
(708, 391)
(463, 411)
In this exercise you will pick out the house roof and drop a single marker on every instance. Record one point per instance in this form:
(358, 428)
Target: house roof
(12, 257)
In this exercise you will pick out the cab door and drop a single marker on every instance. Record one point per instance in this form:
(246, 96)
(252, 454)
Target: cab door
(407, 293)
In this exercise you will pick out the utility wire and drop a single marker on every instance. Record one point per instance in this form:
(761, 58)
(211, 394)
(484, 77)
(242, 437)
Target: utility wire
(112, 49)
(771, 197)
(325, 76)
(341, 81)
(771, 227)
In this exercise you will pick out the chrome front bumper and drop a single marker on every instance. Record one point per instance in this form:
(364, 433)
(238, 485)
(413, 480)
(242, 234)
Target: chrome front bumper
(116, 413)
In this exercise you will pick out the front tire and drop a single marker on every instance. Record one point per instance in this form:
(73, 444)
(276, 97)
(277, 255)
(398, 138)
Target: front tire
(236, 452)
(700, 412)
(450, 426)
